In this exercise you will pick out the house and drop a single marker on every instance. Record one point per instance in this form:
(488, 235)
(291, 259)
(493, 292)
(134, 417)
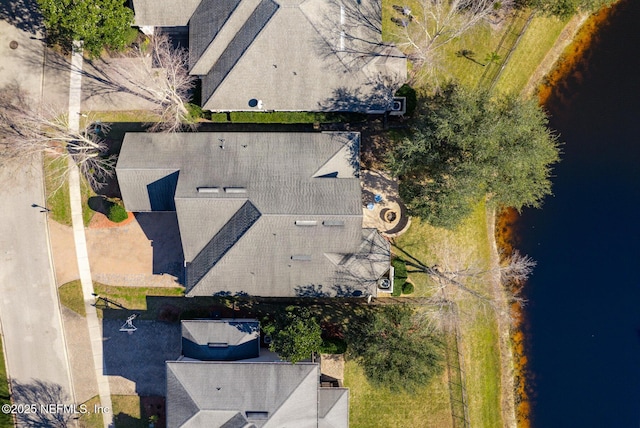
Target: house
(265, 214)
(252, 394)
(285, 55)
(249, 392)
(221, 340)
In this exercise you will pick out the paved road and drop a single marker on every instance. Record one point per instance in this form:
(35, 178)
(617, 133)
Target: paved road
(29, 311)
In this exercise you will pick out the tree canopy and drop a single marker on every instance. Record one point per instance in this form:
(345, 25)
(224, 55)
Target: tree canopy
(296, 334)
(467, 145)
(99, 23)
(394, 350)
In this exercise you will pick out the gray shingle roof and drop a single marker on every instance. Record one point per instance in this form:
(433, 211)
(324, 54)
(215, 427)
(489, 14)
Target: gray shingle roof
(285, 53)
(270, 209)
(164, 13)
(205, 25)
(333, 407)
(277, 394)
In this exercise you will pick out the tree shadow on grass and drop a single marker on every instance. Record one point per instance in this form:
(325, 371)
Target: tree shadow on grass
(100, 204)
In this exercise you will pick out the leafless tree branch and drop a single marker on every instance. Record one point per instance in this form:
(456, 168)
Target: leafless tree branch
(423, 32)
(159, 74)
(26, 130)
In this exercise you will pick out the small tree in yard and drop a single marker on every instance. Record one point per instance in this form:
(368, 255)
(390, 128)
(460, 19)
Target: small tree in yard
(394, 349)
(98, 23)
(468, 145)
(296, 334)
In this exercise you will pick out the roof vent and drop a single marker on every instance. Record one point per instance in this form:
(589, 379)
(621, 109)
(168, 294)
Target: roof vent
(301, 257)
(208, 189)
(333, 223)
(257, 415)
(306, 223)
(218, 345)
(235, 190)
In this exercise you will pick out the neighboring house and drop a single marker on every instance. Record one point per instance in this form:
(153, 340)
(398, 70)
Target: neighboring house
(221, 340)
(265, 214)
(286, 55)
(247, 394)
(244, 394)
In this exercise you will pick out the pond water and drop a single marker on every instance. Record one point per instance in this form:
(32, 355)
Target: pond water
(583, 315)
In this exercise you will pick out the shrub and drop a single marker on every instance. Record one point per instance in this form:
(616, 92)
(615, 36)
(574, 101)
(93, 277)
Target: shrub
(407, 288)
(333, 345)
(195, 112)
(412, 98)
(117, 213)
(399, 276)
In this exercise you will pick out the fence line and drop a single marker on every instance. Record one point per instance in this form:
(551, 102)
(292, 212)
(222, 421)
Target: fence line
(506, 46)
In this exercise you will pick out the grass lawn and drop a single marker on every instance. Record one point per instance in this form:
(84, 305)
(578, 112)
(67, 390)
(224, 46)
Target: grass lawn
(373, 406)
(132, 298)
(482, 369)
(468, 245)
(534, 45)
(5, 419)
(71, 297)
(127, 412)
(91, 420)
(57, 192)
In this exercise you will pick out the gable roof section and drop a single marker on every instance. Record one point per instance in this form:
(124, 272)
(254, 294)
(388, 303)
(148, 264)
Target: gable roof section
(208, 19)
(196, 229)
(333, 407)
(221, 340)
(221, 243)
(265, 394)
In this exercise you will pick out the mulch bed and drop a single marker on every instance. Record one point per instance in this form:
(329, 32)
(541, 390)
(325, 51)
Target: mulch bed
(101, 221)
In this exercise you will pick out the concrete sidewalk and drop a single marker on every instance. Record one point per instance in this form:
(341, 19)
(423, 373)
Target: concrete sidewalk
(93, 323)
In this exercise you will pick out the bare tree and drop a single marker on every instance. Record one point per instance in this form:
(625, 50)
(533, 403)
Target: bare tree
(453, 277)
(423, 32)
(26, 130)
(352, 29)
(159, 73)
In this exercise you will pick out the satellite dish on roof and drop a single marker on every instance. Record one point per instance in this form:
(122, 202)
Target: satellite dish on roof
(260, 104)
